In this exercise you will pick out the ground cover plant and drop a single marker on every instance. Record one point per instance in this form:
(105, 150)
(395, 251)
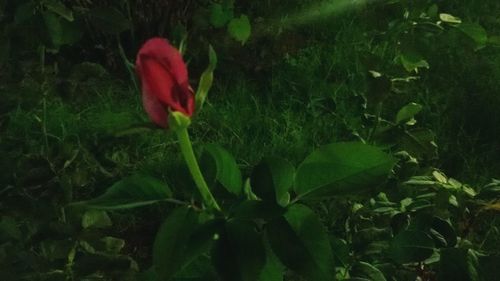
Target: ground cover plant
(263, 140)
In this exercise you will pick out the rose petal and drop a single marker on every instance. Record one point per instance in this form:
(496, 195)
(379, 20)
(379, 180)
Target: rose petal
(154, 109)
(164, 75)
(158, 81)
(161, 50)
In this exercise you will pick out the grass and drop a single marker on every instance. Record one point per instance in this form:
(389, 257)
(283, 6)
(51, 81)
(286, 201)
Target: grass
(310, 97)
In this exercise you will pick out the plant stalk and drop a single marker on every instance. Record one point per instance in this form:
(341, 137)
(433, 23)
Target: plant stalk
(194, 169)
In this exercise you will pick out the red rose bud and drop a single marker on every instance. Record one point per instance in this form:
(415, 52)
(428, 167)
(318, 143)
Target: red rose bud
(164, 79)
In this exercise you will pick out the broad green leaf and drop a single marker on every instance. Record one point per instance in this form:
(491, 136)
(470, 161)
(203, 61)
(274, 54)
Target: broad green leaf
(494, 40)
(340, 251)
(220, 14)
(273, 269)
(59, 8)
(272, 179)
(206, 79)
(109, 20)
(476, 32)
(419, 143)
(239, 253)
(301, 243)
(240, 29)
(200, 269)
(180, 240)
(364, 269)
(411, 246)
(134, 191)
(219, 165)
(148, 275)
(449, 18)
(341, 169)
(256, 209)
(96, 219)
(408, 112)
(457, 265)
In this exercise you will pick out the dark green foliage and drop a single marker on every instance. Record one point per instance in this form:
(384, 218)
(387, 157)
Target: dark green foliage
(341, 137)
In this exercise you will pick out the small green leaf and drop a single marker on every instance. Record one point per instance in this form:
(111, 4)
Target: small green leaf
(206, 79)
(449, 18)
(220, 14)
(411, 246)
(341, 169)
(218, 165)
(408, 112)
(61, 32)
(440, 177)
(272, 179)
(412, 61)
(301, 243)
(134, 191)
(364, 269)
(240, 29)
(491, 190)
(59, 8)
(444, 229)
(239, 253)
(112, 245)
(96, 219)
(432, 12)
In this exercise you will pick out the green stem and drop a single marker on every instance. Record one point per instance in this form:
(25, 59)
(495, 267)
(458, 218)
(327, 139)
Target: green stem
(187, 152)
(128, 65)
(377, 121)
